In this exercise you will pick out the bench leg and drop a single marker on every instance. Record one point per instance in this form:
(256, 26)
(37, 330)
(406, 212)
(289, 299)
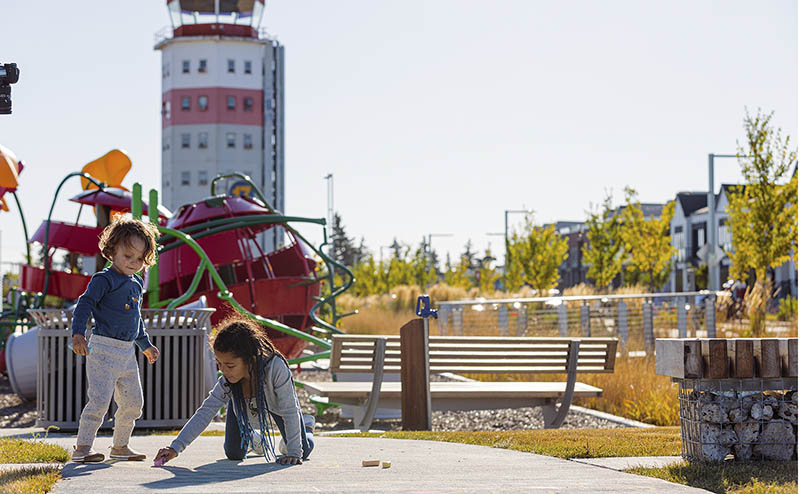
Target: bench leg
(363, 415)
(552, 418)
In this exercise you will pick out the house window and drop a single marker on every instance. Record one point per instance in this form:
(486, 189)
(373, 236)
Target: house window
(186, 103)
(202, 140)
(248, 67)
(202, 177)
(186, 178)
(203, 65)
(231, 66)
(248, 104)
(202, 103)
(230, 137)
(186, 140)
(231, 102)
(248, 141)
(186, 66)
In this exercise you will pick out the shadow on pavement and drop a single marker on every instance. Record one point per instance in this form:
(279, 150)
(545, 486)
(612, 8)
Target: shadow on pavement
(219, 471)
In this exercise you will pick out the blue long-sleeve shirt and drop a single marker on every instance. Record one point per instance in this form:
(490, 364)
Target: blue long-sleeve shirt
(115, 301)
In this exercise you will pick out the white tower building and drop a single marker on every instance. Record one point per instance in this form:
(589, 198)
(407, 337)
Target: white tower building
(221, 101)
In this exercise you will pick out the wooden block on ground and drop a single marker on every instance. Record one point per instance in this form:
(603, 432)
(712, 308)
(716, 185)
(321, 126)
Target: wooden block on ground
(370, 463)
(740, 354)
(767, 357)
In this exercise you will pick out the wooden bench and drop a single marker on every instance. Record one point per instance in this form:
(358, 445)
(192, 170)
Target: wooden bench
(469, 355)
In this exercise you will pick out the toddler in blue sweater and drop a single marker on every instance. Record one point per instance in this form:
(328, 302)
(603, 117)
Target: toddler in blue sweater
(114, 298)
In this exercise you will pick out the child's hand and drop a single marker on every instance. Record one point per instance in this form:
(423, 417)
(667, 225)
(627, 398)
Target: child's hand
(164, 455)
(289, 460)
(79, 344)
(151, 354)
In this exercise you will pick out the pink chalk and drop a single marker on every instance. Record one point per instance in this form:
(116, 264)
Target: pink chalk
(159, 462)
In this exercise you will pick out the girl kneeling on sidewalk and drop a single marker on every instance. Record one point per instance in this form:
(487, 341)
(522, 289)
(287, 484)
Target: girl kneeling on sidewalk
(257, 385)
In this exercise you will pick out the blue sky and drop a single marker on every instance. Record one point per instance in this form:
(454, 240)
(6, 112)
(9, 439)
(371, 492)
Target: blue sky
(433, 117)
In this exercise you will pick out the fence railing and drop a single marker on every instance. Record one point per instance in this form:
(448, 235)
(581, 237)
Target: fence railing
(636, 319)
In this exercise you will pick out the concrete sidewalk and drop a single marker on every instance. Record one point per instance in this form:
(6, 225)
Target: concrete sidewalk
(335, 466)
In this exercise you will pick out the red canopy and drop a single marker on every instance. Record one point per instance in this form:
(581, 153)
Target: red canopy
(114, 198)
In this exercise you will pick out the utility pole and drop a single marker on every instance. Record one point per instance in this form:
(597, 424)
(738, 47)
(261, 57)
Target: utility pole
(329, 179)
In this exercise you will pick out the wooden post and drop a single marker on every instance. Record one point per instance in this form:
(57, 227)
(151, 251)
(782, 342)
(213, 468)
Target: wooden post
(740, 354)
(586, 322)
(563, 322)
(768, 357)
(415, 395)
(622, 322)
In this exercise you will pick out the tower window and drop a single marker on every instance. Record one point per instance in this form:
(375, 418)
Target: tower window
(186, 178)
(202, 103)
(230, 137)
(202, 177)
(186, 66)
(248, 67)
(231, 102)
(248, 104)
(203, 65)
(186, 103)
(248, 141)
(186, 140)
(202, 140)
(231, 66)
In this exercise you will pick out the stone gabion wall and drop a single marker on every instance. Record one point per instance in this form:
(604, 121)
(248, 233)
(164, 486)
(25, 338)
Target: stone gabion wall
(750, 425)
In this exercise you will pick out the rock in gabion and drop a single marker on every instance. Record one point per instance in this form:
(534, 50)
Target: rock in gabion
(747, 433)
(711, 412)
(742, 452)
(776, 442)
(788, 411)
(738, 415)
(761, 411)
(715, 452)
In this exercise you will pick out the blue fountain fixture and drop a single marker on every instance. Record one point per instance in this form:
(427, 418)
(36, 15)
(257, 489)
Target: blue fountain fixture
(425, 311)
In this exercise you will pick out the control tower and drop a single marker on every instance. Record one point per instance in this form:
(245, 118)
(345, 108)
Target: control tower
(221, 101)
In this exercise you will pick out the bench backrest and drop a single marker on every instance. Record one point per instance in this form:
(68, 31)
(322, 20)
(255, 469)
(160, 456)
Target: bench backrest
(479, 354)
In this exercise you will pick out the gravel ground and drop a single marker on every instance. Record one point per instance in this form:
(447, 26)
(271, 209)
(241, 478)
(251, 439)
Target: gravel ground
(13, 411)
(475, 420)
(17, 413)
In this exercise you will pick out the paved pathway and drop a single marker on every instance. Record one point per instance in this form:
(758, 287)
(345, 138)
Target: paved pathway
(335, 466)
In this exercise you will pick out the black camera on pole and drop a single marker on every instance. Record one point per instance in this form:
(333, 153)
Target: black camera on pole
(9, 74)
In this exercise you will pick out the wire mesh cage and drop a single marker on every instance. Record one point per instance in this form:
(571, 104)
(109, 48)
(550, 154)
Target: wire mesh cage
(748, 419)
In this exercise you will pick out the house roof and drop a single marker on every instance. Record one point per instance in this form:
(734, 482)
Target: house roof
(692, 201)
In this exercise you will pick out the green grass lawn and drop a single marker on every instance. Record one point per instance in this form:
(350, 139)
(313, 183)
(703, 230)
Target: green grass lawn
(728, 478)
(34, 481)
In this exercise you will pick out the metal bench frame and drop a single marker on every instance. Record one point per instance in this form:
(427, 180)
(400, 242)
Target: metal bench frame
(379, 354)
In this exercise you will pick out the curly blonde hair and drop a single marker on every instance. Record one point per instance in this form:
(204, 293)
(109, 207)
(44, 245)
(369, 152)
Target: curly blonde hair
(125, 229)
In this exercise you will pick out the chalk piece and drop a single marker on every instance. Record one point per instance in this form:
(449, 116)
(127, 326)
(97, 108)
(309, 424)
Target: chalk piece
(386, 464)
(370, 463)
(159, 462)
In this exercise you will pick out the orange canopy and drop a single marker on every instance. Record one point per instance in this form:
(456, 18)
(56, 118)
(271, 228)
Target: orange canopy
(9, 177)
(110, 168)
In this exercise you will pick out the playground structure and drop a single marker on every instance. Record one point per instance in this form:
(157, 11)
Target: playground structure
(209, 250)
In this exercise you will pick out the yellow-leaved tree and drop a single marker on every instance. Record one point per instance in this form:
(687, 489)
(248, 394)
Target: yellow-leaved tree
(534, 257)
(762, 215)
(647, 241)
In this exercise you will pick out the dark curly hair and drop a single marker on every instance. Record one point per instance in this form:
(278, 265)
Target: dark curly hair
(243, 338)
(122, 230)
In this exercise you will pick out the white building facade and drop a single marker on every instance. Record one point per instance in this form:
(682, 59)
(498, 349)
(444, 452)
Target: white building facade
(222, 105)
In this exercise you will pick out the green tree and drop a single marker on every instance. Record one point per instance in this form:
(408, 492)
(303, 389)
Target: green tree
(647, 241)
(457, 275)
(485, 274)
(344, 248)
(603, 251)
(763, 214)
(534, 257)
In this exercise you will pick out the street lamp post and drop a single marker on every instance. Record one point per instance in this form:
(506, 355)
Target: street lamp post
(430, 248)
(329, 179)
